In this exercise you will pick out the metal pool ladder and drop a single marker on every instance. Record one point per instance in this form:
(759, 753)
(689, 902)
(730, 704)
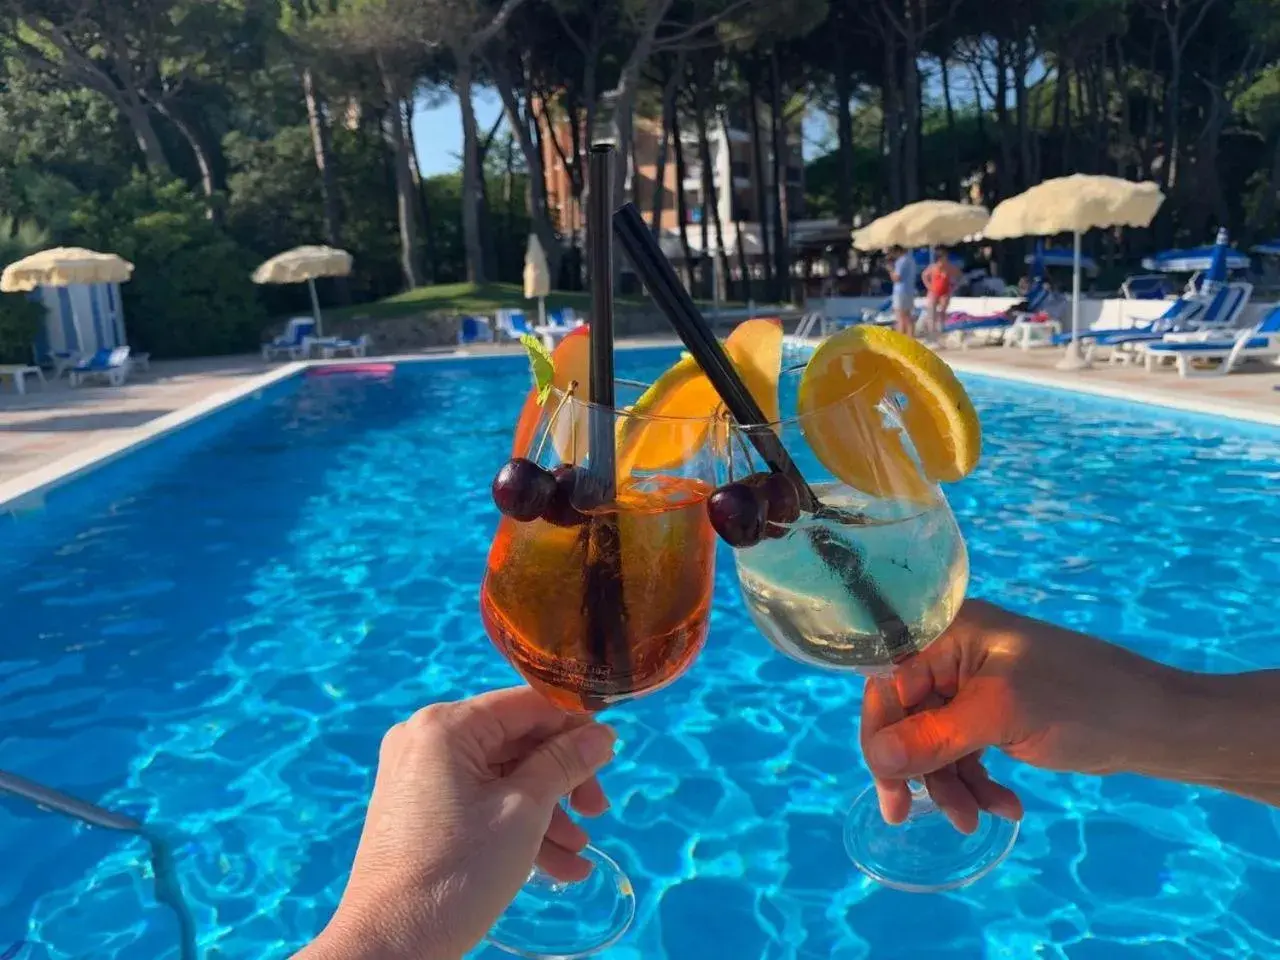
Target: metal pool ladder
(168, 890)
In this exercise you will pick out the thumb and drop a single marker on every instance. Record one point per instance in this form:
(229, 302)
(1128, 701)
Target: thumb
(929, 740)
(564, 762)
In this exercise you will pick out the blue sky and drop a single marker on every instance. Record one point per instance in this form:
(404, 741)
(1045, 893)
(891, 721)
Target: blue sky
(437, 130)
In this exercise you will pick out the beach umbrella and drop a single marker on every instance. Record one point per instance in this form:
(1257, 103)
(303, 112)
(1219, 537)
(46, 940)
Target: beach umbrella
(305, 264)
(924, 224)
(62, 267)
(537, 277)
(1269, 249)
(1075, 205)
(1218, 259)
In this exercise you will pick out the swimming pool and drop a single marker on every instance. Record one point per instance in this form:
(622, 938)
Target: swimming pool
(215, 631)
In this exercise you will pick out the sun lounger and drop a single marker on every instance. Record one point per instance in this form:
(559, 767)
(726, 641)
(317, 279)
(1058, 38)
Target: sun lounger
(109, 365)
(293, 343)
(1206, 358)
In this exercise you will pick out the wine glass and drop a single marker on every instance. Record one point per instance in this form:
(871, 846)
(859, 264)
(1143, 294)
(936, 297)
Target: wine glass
(860, 578)
(604, 597)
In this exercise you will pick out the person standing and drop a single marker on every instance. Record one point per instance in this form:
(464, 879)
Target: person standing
(903, 274)
(941, 278)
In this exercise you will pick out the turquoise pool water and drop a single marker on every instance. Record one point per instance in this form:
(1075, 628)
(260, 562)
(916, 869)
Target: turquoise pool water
(213, 633)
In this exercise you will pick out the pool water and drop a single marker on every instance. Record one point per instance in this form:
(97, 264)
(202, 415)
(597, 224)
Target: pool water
(213, 633)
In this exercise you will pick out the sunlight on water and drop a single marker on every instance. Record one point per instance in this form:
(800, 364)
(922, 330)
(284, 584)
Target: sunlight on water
(214, 633)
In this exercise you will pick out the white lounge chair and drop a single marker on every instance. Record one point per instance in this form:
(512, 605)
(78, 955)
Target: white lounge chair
(511, 324)
(1212, 358)
(109, 365)
(330, 347)
(559, 324)
(293, 343)
(1220, 309)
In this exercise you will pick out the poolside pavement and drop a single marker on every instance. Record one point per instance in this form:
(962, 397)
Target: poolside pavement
(58, 431)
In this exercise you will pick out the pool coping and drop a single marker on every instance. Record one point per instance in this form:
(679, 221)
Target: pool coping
(26, 492)
(1127, 392)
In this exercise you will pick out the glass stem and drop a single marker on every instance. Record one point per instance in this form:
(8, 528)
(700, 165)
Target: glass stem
(887, 686)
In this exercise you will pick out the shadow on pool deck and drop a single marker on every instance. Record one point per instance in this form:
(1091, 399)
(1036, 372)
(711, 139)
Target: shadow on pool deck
(107, 420)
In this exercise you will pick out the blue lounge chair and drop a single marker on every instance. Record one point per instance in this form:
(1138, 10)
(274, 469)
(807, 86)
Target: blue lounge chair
(1220, 356)
(560, 323)
(511, 324)
(293, 343)
(1218, 310)
(109, 365)
(1146, 286)
(474, 330)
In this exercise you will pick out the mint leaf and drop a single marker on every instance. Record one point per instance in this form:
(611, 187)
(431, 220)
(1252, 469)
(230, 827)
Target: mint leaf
(541, 364)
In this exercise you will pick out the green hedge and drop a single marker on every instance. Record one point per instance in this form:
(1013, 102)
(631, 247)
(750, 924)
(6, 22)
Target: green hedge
(190, 295)
(20, 321)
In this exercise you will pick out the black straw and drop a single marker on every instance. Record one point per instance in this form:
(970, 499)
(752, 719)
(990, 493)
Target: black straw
(600, 263)
(674, 301)
(604, 606)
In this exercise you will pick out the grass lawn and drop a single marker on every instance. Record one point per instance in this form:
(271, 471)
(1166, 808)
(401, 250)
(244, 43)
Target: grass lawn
(463, 298)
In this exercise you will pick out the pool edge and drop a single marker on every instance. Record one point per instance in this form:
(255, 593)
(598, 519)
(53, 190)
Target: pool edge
(1126, 392)
(27, 491)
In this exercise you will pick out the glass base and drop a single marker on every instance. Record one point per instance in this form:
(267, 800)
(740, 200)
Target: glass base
(926, 854)
(561, 921)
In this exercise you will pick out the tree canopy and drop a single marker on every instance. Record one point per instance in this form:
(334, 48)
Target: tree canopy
(219, 132)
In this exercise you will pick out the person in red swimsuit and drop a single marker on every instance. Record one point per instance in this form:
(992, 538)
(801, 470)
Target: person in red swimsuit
(940, 280)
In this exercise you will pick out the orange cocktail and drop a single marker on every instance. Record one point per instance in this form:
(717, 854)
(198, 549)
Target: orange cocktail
(584, 638)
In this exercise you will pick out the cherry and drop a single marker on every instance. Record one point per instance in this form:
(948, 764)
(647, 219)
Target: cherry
(522, 489)
(783, 501)
(560, 509)
(738, 512)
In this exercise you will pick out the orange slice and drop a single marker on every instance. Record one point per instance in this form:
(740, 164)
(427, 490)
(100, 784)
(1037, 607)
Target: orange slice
(854, 443)
(672, 418)
(572, 360)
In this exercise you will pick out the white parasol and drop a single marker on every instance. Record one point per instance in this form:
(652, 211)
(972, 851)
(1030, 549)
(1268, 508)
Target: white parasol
(537, 277)
(923, 224)
(1074, 205)
(305, 263)
(62, 267)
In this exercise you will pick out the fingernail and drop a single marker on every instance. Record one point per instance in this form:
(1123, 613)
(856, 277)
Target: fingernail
(886, 754)
(595, 743)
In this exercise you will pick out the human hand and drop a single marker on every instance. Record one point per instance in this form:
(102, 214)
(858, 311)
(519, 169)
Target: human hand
(1046, 696)
(465, 801)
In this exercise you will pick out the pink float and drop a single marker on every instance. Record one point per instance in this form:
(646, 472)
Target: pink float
(353, 369)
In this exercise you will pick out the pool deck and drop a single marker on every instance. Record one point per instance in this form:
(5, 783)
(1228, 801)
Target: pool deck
(52, 433)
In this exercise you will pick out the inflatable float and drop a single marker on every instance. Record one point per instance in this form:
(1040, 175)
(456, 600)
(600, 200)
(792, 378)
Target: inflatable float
(375, 371)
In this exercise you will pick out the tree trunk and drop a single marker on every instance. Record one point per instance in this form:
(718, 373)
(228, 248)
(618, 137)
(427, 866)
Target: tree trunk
(757, 157)
(669, 89)
(322, 149)
(911, 116)
(409, 254)
(424, 202)
(682, 206)
(781, 250)
(1020, 66)
(745, 289)
(324, 162)
(144, 132)
(844, 145)
(892, 122)
(1125, 153)
(203, 164)
(473, 242)
(1173, 99)
(953, 140)
(1005, 173)
(536, 189)
(711, 195)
